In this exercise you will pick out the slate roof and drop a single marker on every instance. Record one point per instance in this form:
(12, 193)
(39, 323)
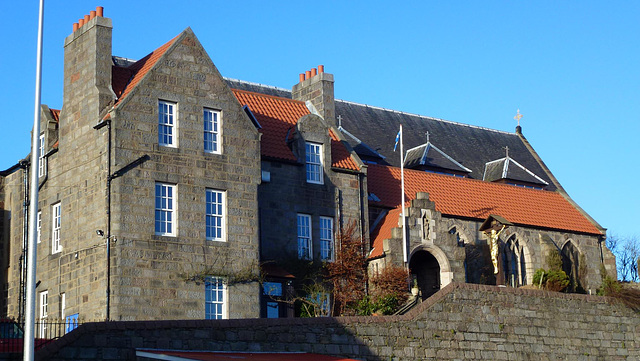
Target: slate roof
(278, 117)
(475, 199)
(430, 156)
(371, 132)
(508, 169)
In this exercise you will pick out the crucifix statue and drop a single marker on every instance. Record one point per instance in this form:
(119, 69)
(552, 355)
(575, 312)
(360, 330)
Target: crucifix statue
(492, 227)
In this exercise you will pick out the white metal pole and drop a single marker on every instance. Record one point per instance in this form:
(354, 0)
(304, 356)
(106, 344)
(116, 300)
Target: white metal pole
(404, 220)
(30, 311)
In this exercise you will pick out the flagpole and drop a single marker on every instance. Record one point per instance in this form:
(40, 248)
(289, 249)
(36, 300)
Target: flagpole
(404, 219)
(29, 327)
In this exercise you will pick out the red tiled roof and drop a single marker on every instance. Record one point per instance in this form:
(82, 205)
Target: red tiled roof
(136, 72)
(340, 156)
(55, 113)
(383, 231)
(278, 117)
(470, 198)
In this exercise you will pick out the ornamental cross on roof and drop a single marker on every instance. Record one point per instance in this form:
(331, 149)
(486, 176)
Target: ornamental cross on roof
(518, 117)
(427, 134)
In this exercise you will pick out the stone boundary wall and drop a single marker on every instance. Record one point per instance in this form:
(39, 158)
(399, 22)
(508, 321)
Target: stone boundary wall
(461, 321)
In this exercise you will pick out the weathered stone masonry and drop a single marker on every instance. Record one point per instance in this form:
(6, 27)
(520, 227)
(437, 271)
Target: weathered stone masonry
(461, 321)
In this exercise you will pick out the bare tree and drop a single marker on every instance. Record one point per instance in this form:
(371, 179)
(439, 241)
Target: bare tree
(627, 252)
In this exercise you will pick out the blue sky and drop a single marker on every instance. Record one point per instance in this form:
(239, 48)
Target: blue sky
(572, 68)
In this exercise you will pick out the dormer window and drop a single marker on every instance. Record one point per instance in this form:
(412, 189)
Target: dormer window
(314, 169)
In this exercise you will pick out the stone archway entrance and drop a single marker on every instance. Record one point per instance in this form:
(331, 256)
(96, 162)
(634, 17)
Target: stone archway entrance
(571, 266)
(426, 269)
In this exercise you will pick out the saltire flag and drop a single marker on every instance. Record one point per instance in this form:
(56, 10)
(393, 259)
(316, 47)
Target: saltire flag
(397, 140)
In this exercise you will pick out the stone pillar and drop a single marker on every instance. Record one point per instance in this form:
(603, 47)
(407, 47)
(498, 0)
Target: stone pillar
(317, 86)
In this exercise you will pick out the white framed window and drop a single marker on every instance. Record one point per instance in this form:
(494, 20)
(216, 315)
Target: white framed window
(212, 131)
(56, 217)
(165, 222)
(215, 298)
(167, 124)
(63, 305)
(215, 215)
(41, 149)
(326, 238)
(313, 152)
(39, 227)
(304, 236)
(44, 313)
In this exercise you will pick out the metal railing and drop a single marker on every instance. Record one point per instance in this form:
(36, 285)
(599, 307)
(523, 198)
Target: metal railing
(46, 330)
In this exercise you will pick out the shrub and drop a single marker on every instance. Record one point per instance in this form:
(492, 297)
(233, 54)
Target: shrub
(552, 280)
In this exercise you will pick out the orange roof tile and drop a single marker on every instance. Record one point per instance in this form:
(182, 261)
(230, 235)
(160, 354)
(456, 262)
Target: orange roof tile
(278, 117)
(470, 198)
(55, 113)
(340, 156)
(138, 69)
(383, 231)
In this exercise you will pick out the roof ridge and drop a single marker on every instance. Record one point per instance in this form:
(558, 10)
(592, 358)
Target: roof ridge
(257, 84)
(425, 117)
(267, 95)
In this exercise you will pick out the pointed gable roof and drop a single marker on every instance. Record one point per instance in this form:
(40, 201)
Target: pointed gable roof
(125, 79)
(508, 169)
(278, 118)
(476, 199)
(430, 156)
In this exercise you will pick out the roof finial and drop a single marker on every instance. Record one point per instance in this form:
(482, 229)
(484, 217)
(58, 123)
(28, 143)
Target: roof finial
(427, 134)
(518, 117)
(507, 150)
(339, 121)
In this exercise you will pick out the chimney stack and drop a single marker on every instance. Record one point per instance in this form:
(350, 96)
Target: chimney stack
(317, 86)
(87, 71)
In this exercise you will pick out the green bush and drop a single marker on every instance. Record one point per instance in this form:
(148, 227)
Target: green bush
(552, 280)
(385, 305)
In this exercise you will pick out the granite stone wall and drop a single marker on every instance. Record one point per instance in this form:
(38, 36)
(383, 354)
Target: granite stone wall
(460, 322)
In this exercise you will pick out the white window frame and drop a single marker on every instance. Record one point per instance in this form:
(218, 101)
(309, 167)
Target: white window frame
(39, 227)
(41, 164)
(56, 223)
(212, 120)
(326, 239)
(215, 211)
(221, 291)
(167, 124)
(314, 168)
(44, 313)
(166, 204)
(305, 239)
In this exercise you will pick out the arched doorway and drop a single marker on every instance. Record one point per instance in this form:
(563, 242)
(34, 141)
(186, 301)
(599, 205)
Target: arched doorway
(426, 269)
(571, 265)
(513, 263)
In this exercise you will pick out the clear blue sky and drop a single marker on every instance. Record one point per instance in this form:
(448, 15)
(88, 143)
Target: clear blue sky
(571, 67)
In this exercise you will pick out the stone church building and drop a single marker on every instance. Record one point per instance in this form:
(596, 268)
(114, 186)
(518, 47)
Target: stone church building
(170, 192)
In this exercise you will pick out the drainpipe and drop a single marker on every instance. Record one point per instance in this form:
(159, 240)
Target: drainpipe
(25, 240)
